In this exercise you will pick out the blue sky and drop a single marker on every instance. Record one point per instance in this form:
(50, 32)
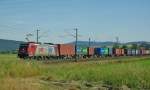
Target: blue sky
(102, 20)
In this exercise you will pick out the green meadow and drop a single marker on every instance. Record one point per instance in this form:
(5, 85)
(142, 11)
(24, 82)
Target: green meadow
(128, 73)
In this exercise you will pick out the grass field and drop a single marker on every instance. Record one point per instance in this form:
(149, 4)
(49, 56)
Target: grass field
(130, 73)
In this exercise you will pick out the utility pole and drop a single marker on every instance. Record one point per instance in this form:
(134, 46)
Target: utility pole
(37, 38)
(89, 42)
(117, 41)
(76, 43)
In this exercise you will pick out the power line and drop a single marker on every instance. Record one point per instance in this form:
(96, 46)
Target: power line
(28, 36)
(44, 34)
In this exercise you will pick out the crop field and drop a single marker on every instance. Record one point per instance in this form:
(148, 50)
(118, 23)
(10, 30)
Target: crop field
(129, 73)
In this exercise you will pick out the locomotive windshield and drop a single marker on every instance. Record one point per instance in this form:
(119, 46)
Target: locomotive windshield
(23, 48)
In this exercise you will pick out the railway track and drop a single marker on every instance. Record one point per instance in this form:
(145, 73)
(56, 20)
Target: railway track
(100, 60)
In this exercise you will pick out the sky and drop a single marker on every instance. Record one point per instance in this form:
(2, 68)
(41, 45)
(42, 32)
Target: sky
(101, 20)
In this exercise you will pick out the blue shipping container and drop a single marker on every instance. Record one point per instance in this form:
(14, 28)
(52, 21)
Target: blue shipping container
(101, 51)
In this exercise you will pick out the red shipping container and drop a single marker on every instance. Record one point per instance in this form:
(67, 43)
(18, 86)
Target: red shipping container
(66, 50)
(90, 51)
(122, 52)
(143, 51)
(118, 52)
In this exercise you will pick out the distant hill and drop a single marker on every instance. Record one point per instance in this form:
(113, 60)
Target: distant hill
(141, 44)
(138, 42)
(110, 44)
(9, 45)
(96, 44)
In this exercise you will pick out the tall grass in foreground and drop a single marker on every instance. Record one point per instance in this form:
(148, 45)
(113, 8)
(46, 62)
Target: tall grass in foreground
(10, 66)
(19, 84)
(133, 74)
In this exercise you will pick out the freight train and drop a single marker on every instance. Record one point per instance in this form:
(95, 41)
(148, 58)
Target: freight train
(65, 51)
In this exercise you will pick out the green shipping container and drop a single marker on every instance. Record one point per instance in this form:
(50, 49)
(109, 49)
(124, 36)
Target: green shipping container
(106, 51)
(82, 50)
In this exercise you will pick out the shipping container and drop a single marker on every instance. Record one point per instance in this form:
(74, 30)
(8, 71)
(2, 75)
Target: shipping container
(118, 52)
(101, 51)
(90, 51)
(41, 50)
(143, 52)
(122, 52)
(82, 50)
(138, 52)
(97, 51)
(52, 50)
(45, 50)
(111, 51)
(129, 52)
(106, 51)
(65, 50)
(133, 52)
(147, 52)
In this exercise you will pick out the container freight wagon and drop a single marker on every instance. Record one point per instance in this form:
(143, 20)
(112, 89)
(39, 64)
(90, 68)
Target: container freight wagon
(111, 52)
(129, 52)
(143, 51)
(101, 51)
(82, 51)
(90, 51)
(65, 50)
(45, 50)
(138, 52)
(147, 52)
(106, 51)
(123, 52)
(133, 52)
(119, 52)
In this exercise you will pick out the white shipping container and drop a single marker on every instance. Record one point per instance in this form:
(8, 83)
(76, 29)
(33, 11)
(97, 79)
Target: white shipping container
(45, 50)
(52, 50)
(133, 51)
(147, 52)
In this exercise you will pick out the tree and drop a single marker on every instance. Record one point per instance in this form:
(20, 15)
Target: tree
(145, 45)
(124, 46)
(134, 46)
(116, 45)
(104, 46)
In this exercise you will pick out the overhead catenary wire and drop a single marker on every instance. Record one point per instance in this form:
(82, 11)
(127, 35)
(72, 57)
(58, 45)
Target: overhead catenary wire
(44, 34)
